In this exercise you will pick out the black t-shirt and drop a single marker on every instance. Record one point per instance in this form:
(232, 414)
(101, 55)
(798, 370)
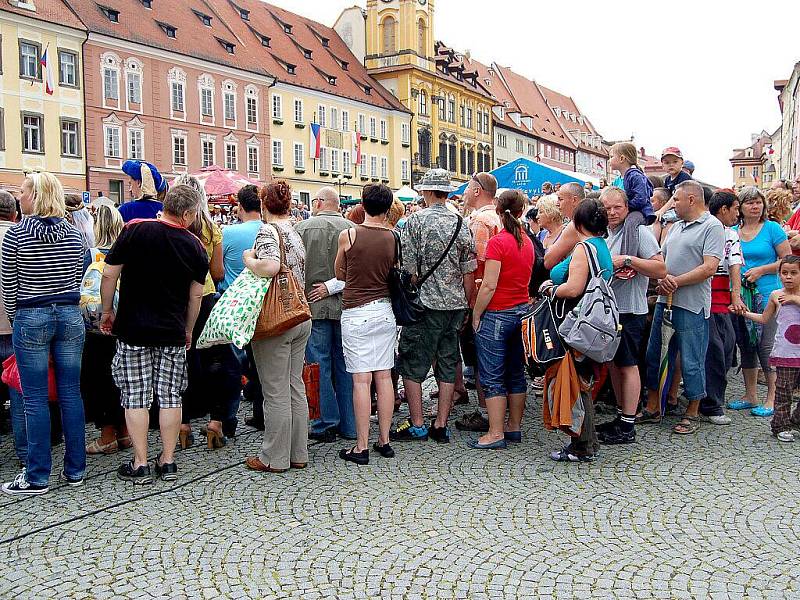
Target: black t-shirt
(159, 263)
(671, 184)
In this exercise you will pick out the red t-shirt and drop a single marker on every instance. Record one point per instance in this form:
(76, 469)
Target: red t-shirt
(516, 265)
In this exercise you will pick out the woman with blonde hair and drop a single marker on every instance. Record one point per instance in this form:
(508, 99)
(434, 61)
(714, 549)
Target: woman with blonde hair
(214, 373)
(100, 394)
(42, 259)
(779, 205)
(550, 220)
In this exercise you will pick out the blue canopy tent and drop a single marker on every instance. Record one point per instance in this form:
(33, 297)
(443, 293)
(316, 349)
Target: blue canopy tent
(528, 176)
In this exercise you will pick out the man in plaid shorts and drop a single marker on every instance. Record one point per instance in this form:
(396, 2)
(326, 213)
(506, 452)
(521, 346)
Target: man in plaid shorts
(161, 267)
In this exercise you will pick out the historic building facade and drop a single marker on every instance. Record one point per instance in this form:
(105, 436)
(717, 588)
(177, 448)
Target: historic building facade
(41, 131)
(452, 124)
(753, 165)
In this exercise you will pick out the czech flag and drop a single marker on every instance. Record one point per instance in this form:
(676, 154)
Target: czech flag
(47, 71)
(356, 148)
(315, 140)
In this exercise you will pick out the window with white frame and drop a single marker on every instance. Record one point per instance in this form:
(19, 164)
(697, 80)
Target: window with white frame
(362, 167)
(29, 60)
(277, 153)
(253, 159)
(479, 121)
(70, 137)
(231, 156)
(372, 127)
(251, 107)
(423, 103)
(67, 68)
(486, 122)
(362, 124)
(373, 166)
(384, 167)
(298, 110)
(113, 141)
(323, 159)
(405, 133)
(345, 120)
(346, 164)
(519, 145)
(178, 150)
(322, 116)
(136, 144)
(277, 106)
(502, 140)
(549, 150)
(451, 109)
(207, 102)
(334, 160)
(469, 118)
(299, 156)
(110, 84)
(383, 129)
(177, 86)
(742, 171)
(334, 117)
(133, 78)
(208, 152)
(404, 169)
(229, 103)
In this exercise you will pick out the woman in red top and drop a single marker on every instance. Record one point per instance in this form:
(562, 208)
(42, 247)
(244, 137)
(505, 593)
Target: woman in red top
(502, 302)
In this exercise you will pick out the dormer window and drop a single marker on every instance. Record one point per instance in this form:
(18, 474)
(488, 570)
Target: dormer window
(168, 29)
(344, 65)
(287, 28)
(205, 19)
(229, 47)
(264, 41)
(307, 53)
(147, 3)
(325, 42)
(291, 69)
(332, 80)
(245, 14)
(367, 90)
(111, 14)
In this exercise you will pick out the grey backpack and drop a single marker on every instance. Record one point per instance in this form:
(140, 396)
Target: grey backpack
(592, 327)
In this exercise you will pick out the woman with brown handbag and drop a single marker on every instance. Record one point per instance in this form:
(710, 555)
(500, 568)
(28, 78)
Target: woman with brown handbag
(279, 358)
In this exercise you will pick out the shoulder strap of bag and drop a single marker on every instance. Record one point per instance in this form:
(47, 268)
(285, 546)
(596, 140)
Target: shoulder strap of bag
(591, 255)
(280, 244)
(398, 249)
(444, 254)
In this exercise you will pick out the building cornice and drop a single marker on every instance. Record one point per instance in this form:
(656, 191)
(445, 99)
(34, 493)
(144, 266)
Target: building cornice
(26, 21)
(363, 106)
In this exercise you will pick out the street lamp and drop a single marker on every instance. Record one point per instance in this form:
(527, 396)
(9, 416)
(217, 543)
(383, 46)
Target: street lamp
(339, 182)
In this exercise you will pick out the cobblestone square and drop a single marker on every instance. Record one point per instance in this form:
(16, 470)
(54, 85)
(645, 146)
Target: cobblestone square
(713, 515)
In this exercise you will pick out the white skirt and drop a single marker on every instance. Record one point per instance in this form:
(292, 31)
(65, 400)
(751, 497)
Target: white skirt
(369, 333)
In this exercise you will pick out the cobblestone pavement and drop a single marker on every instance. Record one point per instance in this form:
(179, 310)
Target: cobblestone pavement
(712, 515)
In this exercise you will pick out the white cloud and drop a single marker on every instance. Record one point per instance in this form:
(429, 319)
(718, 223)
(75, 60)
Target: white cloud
(694, 73)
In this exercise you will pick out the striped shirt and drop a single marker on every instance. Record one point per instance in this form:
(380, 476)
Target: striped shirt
(42, 264)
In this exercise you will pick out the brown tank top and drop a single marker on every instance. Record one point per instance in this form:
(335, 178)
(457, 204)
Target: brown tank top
(368, 262)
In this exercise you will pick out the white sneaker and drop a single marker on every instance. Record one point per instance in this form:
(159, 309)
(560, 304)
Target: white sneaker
(786, 436)
(718, 419)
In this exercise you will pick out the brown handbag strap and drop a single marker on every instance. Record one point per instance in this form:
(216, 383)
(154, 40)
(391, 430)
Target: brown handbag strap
(284, 266)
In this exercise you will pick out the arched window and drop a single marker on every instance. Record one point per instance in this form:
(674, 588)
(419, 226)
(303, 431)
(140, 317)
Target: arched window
(423, 103)
(389, 35)
(422, 35)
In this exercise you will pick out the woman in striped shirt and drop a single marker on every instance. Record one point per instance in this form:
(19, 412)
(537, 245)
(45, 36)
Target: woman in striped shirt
(42, 260)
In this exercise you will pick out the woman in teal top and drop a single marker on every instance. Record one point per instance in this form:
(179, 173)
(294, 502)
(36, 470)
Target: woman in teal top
(569, 279)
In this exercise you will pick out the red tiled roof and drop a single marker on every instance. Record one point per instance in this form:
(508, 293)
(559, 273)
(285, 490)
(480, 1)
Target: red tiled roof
(530, 101)
(450, 60)
(566, 103)
(492, 81)
(289, 48)
(739, 154)
(141, 25)
(51, 11)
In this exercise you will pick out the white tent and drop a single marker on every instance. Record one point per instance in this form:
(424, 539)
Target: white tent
(406, 194)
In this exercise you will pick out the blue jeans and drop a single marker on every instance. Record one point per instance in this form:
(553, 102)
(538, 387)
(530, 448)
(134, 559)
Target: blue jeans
(17, 412)
(335, 383)
(691, 339)
(40, 333)
(501, 365)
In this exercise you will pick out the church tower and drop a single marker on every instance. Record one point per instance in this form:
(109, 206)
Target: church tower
(399, 33)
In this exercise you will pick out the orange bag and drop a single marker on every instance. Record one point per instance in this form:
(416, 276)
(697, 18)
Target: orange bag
(311, 380)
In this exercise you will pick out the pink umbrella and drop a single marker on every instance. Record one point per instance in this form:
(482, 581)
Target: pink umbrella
(220, 183)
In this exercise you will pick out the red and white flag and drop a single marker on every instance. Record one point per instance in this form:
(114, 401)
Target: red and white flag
(356, 148)
(47, 72)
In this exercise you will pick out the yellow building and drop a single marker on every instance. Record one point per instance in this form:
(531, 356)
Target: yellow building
(452, 120)
(749, 165)
(39, 131)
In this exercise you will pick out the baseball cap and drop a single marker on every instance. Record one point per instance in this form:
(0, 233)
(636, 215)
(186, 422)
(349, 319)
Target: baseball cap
(672, 151)
(688, 165)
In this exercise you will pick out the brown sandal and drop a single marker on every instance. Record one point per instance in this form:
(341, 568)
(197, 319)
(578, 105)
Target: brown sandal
(95, 448)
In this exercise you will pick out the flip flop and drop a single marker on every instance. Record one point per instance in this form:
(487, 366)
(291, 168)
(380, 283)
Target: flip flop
(648, 417)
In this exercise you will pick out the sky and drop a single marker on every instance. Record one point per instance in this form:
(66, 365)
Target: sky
(697, 74)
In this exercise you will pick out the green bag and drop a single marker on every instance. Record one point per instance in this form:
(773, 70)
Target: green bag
(233, 318)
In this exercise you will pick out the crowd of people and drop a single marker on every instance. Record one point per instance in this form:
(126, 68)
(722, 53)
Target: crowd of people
(103, 307)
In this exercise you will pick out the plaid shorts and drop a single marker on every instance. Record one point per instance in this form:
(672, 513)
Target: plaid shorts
(142, 373)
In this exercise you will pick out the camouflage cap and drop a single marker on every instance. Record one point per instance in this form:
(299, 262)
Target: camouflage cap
(435, 180)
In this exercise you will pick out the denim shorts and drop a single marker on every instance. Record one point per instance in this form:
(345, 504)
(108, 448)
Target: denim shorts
(501, 365)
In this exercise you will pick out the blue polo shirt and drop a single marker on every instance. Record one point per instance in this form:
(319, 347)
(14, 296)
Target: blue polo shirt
(235, 240)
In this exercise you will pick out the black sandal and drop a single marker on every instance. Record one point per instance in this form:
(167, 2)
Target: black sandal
(360, 458)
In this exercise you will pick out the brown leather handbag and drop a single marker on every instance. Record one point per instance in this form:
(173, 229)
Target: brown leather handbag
(285, 304)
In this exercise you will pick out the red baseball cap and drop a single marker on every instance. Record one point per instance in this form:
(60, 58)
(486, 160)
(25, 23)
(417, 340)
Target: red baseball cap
(672, 151)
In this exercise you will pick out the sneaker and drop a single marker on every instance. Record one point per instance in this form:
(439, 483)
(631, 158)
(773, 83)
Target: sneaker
(71, 482)
(717, 419)
(537, 383)
(21, 487)
(167, 471)
(614, 435)
(386, 451)
(565, 455)
(440, 435)
(473, 421)
(138, 476)
(786, 436)
(326, 436)
(406, 432)
(607, 426)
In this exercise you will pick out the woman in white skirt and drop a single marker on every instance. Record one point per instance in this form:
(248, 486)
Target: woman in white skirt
(363, 261)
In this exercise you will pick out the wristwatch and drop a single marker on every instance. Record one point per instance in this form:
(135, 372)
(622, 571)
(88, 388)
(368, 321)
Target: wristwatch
(627, 262)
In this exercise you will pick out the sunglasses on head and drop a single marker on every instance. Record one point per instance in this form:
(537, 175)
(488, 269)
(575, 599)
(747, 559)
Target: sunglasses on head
(478, 181)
